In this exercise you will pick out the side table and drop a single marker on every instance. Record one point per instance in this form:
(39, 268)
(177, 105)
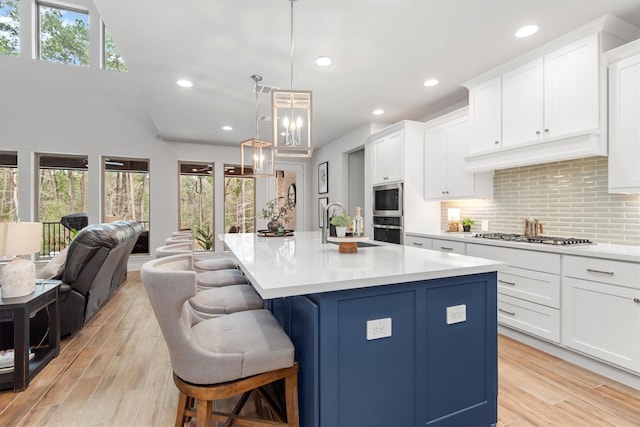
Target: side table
(19, 310)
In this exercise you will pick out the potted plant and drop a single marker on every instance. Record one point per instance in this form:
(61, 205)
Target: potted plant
(467, 223)
(277, 211)
(341, 222)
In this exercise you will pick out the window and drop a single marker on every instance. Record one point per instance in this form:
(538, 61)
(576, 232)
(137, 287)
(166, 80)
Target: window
(62, 191)
(9, 27)
(8, 186)
(239, 201)
(112, 59)
(196, 202)
(126, 194)
(63, 35)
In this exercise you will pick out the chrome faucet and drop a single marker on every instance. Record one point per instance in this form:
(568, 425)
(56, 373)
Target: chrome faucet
(325, 232)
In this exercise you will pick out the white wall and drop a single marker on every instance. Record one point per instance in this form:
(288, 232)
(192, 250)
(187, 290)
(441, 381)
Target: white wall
(57, 108)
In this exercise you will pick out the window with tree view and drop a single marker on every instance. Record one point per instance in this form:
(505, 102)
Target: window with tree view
(63, 35)
(239, 201)
(112, 59)
(9, 27)
(62, 188)
(8, 186)
(196, 202)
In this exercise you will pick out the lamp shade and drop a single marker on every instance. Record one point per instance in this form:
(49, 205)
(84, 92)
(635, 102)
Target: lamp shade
(18, 277)
(291, 115)
(20, 238)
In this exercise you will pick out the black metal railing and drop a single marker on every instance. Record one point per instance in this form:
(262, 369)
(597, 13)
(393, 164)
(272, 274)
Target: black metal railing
(56, 237)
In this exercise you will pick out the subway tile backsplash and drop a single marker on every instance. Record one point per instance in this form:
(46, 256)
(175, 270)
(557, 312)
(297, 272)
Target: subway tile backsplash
(570, 198)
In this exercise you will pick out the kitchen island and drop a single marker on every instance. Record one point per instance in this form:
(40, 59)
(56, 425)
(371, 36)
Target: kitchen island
(388, 336)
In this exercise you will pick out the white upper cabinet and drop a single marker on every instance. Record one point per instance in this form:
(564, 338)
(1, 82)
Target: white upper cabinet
(624, 119)
(522, 103)
(571, 88)
(446, 140)
(388, 158)
(549, 104)
(485, 108)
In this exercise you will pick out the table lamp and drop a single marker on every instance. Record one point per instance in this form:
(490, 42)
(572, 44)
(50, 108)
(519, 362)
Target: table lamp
(18, 277)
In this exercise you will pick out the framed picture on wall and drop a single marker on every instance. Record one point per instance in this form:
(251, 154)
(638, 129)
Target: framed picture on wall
(323, 178)
(322, 205)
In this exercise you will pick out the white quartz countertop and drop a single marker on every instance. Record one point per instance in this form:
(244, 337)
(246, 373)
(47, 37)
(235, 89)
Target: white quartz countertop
(598, 250)
(302, 265)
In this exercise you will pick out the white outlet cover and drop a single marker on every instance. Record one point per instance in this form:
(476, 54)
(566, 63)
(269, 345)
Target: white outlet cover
(378, 328)
(456, 314)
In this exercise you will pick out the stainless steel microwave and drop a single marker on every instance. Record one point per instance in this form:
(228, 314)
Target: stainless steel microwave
(387, 199)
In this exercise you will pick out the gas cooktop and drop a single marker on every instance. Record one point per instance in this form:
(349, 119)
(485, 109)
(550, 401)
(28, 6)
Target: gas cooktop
(546, 240)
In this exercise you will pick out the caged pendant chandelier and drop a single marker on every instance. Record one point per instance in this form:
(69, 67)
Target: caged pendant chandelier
(256, 157)
(291, 116)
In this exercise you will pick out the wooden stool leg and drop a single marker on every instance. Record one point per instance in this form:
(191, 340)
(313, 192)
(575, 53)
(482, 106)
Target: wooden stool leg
(291, 397)
(203, 413)
(182, 406)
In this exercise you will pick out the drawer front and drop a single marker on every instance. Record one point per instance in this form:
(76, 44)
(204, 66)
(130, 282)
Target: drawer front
(448, 246)
(417, 241)
(535, 319)
(602, 270)
(533, 286)
(521, 258)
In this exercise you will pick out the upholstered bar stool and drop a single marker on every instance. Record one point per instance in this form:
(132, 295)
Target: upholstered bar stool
(214, 301)
(213, 359)
(178, 239)
(220, 278)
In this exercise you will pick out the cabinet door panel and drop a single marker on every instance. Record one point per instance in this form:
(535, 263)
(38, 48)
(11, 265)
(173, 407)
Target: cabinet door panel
(526, 316)
(485, 110)
(602, 320)
(435, 163)
(571, 85)
(522, 99)
(624, 131)
(460, 183)
(394, 153)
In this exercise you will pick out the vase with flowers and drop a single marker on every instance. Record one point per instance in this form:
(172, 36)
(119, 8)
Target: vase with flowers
(277, 212)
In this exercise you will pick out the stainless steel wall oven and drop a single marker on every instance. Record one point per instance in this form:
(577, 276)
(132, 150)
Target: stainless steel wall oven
(388, 225)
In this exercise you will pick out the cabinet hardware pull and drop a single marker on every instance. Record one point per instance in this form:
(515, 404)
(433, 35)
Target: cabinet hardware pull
(507, 283)
(418, 244)
(636, 300)
(497, 142)
(510, 313)
(546, 131)
(590, 270)
(444, 248)
(537, 132)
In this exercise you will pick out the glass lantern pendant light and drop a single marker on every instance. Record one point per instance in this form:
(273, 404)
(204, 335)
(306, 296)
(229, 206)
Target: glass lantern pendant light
(291, 116)
(256, 157)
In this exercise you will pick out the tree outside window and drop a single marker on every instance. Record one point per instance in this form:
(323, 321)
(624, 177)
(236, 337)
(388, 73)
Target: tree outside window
(8, 186)
(196, 202)
(9, 27)
(239, 201)
(64, 35)
(112, 59)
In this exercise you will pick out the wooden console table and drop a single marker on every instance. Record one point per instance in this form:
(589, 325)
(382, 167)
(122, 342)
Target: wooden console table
(19, 310)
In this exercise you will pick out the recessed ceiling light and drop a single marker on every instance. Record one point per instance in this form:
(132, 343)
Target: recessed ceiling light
(431, 82)
(323, 61)
(526, 31)
(227, 128)
(378, 112)
(184, 83)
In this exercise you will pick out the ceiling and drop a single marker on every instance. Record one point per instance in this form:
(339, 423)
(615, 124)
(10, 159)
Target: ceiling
(382, 51)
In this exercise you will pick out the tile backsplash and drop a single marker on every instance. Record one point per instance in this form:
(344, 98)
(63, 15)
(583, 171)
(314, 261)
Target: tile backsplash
(570, 198)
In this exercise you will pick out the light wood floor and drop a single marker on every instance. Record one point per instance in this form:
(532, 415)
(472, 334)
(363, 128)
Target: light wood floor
(116, 372)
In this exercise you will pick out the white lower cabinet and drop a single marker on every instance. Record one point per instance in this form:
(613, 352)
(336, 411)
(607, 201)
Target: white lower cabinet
(601, 309)
(417, 241)
(448, 246)
(528, 289)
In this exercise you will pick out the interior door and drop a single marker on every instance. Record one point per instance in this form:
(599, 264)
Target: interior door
(289, 182)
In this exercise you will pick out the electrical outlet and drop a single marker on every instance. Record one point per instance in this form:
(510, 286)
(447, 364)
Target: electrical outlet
(456, 314)
(378, 328)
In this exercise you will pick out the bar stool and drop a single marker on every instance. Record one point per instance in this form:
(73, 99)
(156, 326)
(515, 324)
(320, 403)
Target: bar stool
(212, 359)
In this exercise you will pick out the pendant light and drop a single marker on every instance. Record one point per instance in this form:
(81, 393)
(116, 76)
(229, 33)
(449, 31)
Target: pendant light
(256, 157)
(291, 116)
